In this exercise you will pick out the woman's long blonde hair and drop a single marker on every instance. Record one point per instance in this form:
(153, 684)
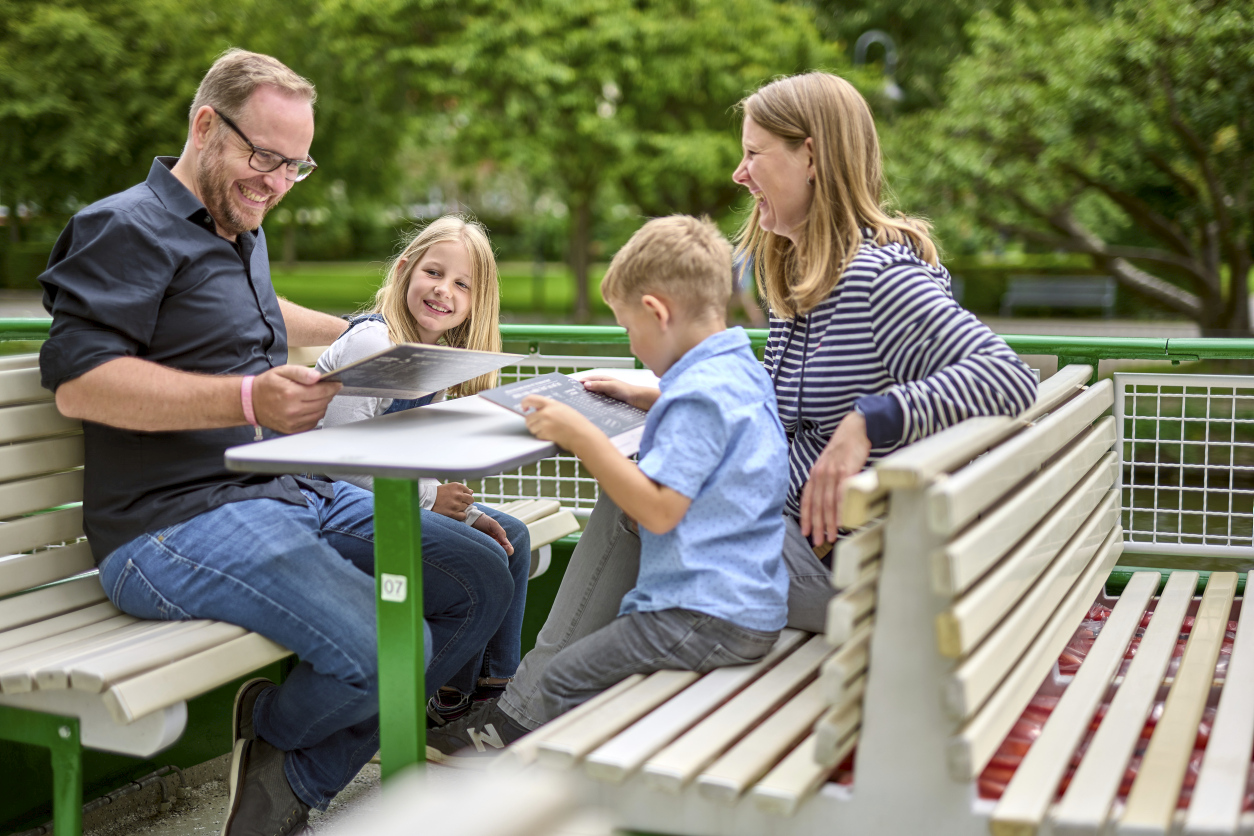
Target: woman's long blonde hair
(847, 196)
(481, 330)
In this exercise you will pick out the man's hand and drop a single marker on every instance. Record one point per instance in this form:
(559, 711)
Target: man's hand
(289, 398)
(845, 455)
(493, 529)
(549, 420)
(641, 397)
(452, 500)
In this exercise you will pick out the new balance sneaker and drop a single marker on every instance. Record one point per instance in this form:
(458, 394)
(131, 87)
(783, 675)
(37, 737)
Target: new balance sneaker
(474, 739)
(242, 715)
(445, 707)
(261, 802)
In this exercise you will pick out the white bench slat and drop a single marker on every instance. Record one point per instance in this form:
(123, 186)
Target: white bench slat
(18, 674)
(975, 679)
(26, 571)
(677, 765)
(924, 460)
(1087, 801)
(844, 666)
(15, 657)
(55, 626)
(865, 499)
(21, 361)
(1151, 803)
(624, 754)
(969, 555)
(54, 600)
(848, 610)
(1058, 389)
(790, 783)
(95, 674)
(971, 749)
(191, 677)
(986, 604)
(731, 775)
(36, 420)
(31, 495)
(974, 488)
(854, 552)
(53, 673)
(1219, 795)
(33, 458)
(523, 751)
(835, 727)
(19, 381)
(575, 741)
(37, 530)
(1025, 803)
(552, 528)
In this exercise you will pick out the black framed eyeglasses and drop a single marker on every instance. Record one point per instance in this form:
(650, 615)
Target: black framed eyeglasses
(265, 160)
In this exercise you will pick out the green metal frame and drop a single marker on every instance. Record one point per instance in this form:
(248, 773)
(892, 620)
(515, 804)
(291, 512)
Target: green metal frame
(60, 735)
(398, 552)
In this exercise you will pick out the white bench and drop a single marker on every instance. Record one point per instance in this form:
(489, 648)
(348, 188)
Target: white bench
(112, 682)
(978, 553)
(1059, 292)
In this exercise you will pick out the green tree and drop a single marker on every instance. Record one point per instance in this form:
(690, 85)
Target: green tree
(589, 95)
(1124, 135)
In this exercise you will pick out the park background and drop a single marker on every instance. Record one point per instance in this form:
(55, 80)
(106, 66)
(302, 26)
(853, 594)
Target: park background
(1044, 137)
(1041, 137)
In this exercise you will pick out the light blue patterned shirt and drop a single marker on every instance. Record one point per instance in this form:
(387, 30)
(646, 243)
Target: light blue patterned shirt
(714, 436)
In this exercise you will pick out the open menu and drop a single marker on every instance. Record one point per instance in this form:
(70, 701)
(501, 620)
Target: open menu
(412, 370)
(623, 423)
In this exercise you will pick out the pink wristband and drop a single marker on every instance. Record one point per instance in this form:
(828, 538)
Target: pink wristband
(246, 395)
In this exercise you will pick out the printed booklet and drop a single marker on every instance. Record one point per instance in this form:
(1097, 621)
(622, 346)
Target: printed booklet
(412, 370)
(623, 423)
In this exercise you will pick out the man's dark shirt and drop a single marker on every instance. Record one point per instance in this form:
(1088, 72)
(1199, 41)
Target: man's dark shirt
(143, 274)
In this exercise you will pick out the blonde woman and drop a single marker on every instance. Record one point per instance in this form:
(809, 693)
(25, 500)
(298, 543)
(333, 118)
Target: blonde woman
(442, 289)
(867, 350)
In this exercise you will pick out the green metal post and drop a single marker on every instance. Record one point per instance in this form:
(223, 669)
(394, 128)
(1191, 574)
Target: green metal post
(61, 736)
(398, 585)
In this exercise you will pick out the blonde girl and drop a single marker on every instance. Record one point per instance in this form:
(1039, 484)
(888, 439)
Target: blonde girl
(442, 288)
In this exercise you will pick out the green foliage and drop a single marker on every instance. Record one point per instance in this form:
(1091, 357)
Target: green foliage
(1124, 135)
(589, 95)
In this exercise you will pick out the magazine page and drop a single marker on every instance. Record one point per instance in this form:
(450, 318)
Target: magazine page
(620, 421)
(412, 370)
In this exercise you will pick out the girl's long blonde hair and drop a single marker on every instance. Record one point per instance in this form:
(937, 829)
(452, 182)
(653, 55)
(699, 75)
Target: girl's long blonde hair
(847, 192)
(481, 330)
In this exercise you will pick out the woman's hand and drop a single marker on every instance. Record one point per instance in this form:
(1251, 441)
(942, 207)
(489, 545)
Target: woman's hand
(641, 397)
(452, 500)
(493, 529)
(845, 455)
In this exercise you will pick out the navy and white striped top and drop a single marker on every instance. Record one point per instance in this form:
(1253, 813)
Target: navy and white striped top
(892, 339)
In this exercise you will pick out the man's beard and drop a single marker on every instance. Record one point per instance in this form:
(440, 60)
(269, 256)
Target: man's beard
(215, 189)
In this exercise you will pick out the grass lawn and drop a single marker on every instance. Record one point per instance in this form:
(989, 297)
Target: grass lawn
(341, 287)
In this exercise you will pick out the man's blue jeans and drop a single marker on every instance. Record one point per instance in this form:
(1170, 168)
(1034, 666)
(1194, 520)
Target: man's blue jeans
(303, 576)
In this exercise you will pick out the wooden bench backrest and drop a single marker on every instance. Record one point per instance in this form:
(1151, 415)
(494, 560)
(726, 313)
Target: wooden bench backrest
(41, 491)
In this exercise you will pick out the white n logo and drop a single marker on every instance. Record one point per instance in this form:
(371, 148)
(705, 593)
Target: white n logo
(488, 735)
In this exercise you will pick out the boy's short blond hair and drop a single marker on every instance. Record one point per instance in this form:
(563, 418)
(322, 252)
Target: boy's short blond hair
(681, 257)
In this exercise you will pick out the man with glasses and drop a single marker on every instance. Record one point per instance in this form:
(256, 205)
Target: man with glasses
(169, 342)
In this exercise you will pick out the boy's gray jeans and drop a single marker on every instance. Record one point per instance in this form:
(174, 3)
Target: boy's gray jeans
(603, 569)
(644, 642)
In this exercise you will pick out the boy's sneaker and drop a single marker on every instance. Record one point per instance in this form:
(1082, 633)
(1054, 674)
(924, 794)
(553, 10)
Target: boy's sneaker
(474, 739)
(447, 706)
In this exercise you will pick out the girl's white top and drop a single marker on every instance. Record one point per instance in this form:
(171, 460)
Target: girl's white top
(364, 339)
